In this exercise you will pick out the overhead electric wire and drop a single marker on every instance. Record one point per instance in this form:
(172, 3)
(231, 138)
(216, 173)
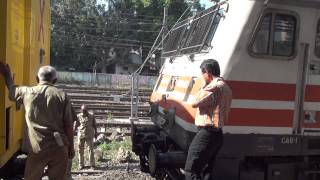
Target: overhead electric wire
(114, 21)
(97, 42)
(120, 29)
(110, 22)
(153, 17)
(118, 44)
(116, 18)
(104, 44)
(70, 35)
(127, 13)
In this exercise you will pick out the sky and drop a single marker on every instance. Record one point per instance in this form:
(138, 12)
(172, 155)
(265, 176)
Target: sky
(206, 3)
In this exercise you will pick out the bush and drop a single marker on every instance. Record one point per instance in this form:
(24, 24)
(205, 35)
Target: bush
(111, 149)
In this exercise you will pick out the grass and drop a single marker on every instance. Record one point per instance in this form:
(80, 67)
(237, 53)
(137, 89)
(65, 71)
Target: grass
(109, 116)
(75, 162)
(109, 151)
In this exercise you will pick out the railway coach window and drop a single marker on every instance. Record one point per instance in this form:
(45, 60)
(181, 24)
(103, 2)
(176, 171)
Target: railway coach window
(275, 36)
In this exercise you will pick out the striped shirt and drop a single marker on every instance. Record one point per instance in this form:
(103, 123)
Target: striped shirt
(214, 102)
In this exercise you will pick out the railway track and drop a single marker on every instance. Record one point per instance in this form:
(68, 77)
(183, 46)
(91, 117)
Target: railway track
(112, 107)
(123, 122)
(98, 90)
(115, 98)
(113, 170)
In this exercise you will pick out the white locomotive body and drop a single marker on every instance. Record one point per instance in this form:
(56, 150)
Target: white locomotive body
(269, 54)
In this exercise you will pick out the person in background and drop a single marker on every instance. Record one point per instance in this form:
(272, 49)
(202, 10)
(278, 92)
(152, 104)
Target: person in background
(213, 104)
(49, 132)
(76, 123)
(87, 130)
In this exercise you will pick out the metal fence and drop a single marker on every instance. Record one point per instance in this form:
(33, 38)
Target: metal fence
(104, 80)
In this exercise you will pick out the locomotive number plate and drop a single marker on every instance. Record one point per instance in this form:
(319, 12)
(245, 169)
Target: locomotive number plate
(289, 140)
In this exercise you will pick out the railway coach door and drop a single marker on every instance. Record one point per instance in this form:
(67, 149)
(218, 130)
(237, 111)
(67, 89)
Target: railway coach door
(307, 107)
(311, 120)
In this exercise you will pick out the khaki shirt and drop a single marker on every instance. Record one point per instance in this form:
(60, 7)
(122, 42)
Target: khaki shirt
(214, 102)
(47, 110)
(87, 124)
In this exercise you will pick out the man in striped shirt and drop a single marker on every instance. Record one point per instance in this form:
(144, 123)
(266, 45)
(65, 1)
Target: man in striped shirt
(213, 102)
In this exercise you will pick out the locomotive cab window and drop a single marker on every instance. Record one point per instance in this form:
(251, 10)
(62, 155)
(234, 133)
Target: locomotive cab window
(275, 36)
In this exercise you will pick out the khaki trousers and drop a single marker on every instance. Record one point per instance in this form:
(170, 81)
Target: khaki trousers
(89, 142)
(55, 158)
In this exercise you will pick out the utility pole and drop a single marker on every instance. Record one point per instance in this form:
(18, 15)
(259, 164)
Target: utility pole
(164, 30)
(164, 23)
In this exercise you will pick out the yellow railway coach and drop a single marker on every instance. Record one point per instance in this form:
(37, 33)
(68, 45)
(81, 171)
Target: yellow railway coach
(25, 46)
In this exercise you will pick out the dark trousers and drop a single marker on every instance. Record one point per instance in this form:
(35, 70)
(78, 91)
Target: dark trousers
(202, 153)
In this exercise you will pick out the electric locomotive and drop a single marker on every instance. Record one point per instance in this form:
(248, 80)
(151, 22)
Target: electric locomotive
(269, 54)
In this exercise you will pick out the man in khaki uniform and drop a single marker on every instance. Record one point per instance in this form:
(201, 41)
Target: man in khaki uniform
(87, 130)
(49, 132)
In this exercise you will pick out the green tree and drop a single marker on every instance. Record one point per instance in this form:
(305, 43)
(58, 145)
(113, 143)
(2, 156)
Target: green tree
(84, 32)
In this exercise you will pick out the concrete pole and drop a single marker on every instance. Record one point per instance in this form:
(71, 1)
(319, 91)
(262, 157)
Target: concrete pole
(165, 30)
